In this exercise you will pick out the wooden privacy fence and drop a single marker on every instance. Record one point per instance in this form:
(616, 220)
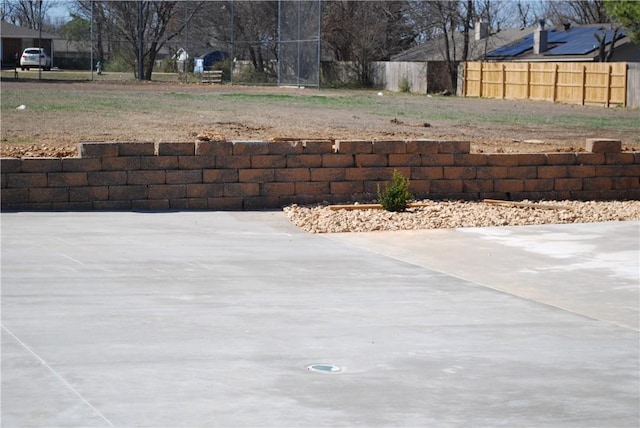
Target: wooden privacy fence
(566, 82)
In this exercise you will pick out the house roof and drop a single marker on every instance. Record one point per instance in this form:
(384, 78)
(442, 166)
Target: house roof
(435, 50)
(572, 43)
(10, 31)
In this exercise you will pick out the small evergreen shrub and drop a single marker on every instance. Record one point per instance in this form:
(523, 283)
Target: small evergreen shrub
(404, 85)
(395, 196)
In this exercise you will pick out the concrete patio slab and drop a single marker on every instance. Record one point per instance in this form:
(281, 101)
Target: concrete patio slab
(200, 319)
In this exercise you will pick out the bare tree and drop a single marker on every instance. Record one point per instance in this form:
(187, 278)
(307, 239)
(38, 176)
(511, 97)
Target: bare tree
(363, 32)
(580, 12)
(27, 13)
(145, 27)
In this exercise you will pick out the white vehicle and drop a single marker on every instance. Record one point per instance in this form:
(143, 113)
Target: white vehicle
(35, 57)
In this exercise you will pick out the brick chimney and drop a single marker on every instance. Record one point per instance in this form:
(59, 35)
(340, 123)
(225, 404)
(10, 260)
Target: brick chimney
(540, 38)
(482, 30)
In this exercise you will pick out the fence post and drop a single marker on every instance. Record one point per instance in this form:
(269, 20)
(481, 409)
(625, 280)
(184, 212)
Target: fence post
(555, 82)
(609, 85)
(528, 81)
(504, 81)
(584, 84)
(480, 88)
(465, 79)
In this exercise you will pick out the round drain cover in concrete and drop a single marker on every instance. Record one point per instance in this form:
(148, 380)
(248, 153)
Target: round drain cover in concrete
(323, 368)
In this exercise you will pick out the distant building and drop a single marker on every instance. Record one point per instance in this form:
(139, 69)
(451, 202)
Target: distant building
(569, 43)
(15, 39)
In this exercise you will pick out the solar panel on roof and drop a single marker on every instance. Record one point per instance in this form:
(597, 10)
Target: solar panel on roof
(582, 42)
(577, 41)
(515, 48)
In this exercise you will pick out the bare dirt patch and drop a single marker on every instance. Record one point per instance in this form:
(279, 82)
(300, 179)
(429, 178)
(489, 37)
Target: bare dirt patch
(60, 114)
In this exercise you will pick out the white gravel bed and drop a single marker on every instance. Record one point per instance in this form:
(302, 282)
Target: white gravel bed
(454, 214)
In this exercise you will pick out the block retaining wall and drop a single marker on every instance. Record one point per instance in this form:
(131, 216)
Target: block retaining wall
(256, 175)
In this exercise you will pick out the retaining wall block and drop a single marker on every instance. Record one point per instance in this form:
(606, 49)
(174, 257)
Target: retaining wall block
(261, 202)
(67, 179)
(581, 171)
(610, 158)
(333, 160)
(127, 163)
(196, 162)
(531, 159)
(268, 161)
(603, 145)
(119, 205)
(470, 159)
(411, 159)
(446, 187)
(233, 162)
(561, 184)
(561, 159)
(128, 192)
(241, 189)
(620, 183)
(225, 204)
(630, 170)
(346, 188)
(176, 149)
(285, 147)
(325, 174)
(459, 172)
(368, 160)
(81, 165)
(304, 161)
(454, 147)
(214, 148)
(88, 194)
(250, 147)
(379, 173)
(185, 176)
(508, 185)
(477, 186)
(256, 175)
(146, 177)
(552, 171)
(427, 173)
(422, 147)
(198, 204)
(151, 205)
(284, 188)
(499, 159)
(596, 183)
(136, 149)
(318, 147)
(205, 190)
(419, 188)
(107, 178)
(312, 188)
(527, 172)
(8, 165)
(14, 196)
(159, 162)
(292, 174)
(387, 147)
(49, 194)
(41, 164)
(353, 146)
(26, 180)
(167, 191)
(220, 175)
(437, 159)
(539, 185)
(97, 150)
(590, 158)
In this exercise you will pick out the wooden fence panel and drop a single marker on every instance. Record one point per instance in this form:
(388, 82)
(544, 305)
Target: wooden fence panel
(566, 82)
